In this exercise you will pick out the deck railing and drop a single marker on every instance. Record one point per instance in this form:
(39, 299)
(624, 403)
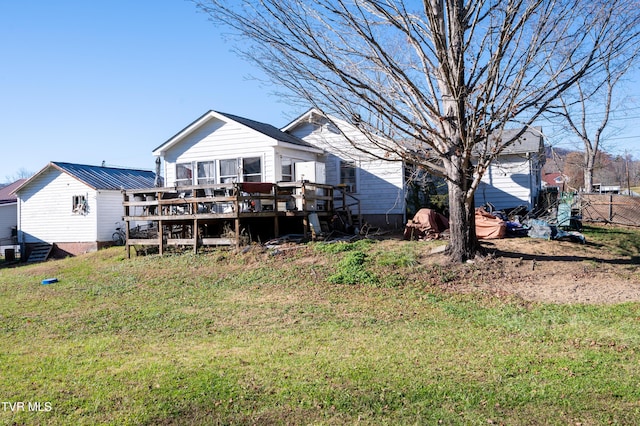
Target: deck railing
(227, 200)
(177, 212)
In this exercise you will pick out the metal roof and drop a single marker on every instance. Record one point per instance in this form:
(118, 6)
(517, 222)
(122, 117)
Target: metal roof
(6, 192)
(98, 177)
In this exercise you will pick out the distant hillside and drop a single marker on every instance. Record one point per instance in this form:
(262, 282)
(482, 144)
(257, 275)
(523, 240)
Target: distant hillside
(609, 169)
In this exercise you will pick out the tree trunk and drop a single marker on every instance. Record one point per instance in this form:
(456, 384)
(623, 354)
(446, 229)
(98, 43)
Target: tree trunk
(463, 243)
(588, 171)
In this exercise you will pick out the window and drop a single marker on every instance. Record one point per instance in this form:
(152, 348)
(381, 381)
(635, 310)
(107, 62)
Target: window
(252, 169)
(287, 170)
(184, 174)
(348, 175)
(228, 171)
(206, 172)
(79, 204)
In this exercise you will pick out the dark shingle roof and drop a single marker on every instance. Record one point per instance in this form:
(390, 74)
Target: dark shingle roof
(267, 129)
(98, 177)
(264, 128)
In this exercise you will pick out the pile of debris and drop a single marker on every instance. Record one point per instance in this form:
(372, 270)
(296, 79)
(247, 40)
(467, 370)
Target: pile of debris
(428, 224)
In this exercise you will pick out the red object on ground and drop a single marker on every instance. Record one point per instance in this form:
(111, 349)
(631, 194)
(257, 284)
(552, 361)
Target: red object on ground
(426, 224)
(489, 226)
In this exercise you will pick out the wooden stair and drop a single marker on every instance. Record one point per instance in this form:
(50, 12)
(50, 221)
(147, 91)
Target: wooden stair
(39, 252)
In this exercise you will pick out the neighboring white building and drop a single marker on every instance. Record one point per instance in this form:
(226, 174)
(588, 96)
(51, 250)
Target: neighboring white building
(515, 177)
(378, 184)
(9, 216)
(74, 207)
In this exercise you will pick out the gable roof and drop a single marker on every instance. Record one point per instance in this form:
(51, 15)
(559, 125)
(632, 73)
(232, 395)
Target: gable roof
(6, 193)
(530, 141)
(99, 177)
(265, 129)
(306, 116)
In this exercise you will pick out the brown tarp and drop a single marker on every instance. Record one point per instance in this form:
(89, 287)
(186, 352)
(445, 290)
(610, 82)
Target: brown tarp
(489, 226)
(426, 224)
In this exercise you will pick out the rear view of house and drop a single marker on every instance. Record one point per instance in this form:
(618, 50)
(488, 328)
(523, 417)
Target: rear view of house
(74, 208)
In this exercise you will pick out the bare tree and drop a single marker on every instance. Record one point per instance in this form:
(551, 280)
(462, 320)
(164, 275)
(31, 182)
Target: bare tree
(20, 174)
(586, 108)
(428, 82)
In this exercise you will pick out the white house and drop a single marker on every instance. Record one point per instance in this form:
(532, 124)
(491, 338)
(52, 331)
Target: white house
(224, 148)
(74, 207)
(9, 216)
(221, 148)
(514, 178)
(378, 184)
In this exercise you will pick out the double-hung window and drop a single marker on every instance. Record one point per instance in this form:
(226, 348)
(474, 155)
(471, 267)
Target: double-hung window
(252, 169)
(287, 170)
(228, 170)
(184, 174)
(206, 172)
(348, 176)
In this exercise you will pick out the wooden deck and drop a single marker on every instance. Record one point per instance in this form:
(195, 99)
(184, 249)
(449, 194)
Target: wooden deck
(211, 215)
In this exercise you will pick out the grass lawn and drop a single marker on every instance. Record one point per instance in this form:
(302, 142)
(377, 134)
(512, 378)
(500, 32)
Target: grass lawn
(323, 334)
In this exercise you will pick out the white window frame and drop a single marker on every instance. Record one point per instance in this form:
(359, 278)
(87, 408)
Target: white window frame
(350, 184)
(248, 177)
(79, 204)
(227, 178)
(287, 177)
(206, 179)
(186, 181)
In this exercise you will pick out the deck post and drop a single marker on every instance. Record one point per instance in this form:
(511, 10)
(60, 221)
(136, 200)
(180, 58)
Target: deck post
(276, 229)
(127, 246)
(305, 225)
(237, 220)
(195, 236)
(160, 238)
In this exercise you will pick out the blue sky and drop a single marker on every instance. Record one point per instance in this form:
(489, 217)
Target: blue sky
(87, 81)
(91, 81)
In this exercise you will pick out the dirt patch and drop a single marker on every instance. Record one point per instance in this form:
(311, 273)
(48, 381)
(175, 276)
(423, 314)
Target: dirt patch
(551, 271)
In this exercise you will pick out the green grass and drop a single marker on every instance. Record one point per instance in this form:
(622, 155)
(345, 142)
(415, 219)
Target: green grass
(257, 338)
(621, 241)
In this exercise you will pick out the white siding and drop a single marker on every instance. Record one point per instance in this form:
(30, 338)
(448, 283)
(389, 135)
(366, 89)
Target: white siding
(8, 220)
(507, 183)
(380, 184)
(46, 210)
(217, 140)
(110, 211)
(295, 155)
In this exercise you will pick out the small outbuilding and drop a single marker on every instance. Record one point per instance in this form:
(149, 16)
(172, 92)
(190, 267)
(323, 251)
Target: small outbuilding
(74, 208)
